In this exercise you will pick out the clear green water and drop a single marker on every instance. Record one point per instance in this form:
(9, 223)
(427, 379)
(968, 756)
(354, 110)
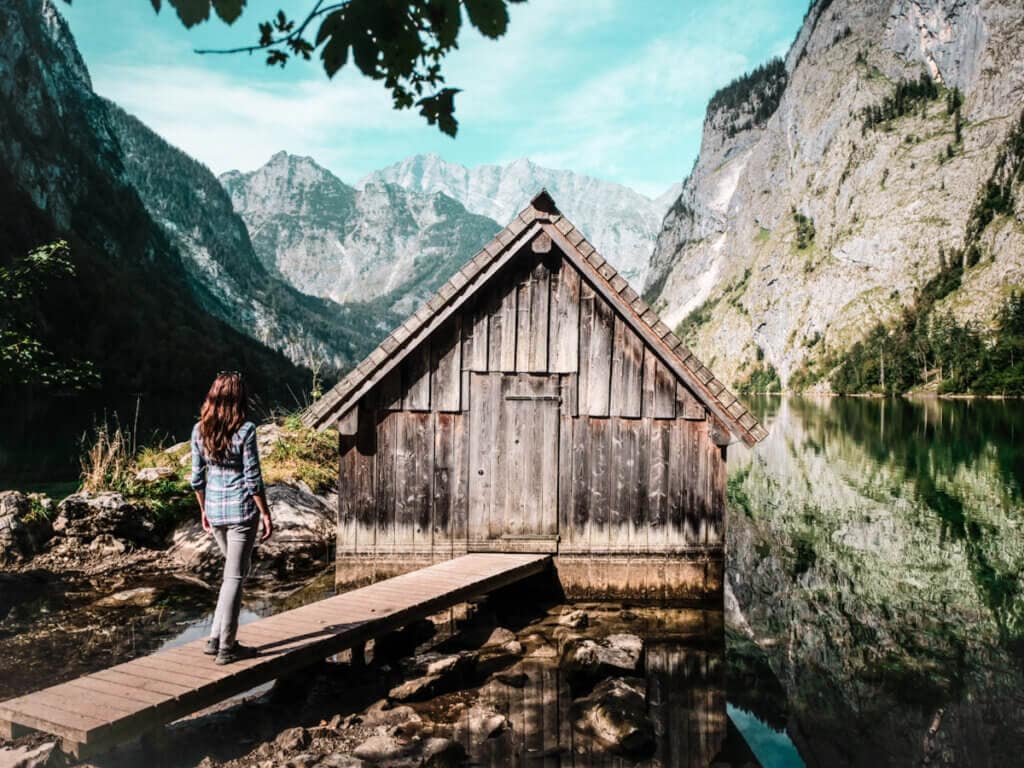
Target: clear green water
(875, 550)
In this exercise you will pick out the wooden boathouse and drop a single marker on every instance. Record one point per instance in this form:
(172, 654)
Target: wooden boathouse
(537, 404)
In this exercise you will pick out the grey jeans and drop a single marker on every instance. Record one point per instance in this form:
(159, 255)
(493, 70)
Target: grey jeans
(236, 542)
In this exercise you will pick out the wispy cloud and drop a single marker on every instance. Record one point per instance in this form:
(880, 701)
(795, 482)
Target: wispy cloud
(612, 88)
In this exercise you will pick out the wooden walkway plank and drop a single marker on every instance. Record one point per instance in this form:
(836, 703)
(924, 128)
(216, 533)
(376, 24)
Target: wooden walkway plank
(140, 683)
(93, 712)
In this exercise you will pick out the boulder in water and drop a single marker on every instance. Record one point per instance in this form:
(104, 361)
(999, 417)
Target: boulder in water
(615, 716)
(574, 619)
(586, 661)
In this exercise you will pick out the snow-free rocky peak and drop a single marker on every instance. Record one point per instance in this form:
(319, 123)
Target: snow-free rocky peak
(621, 223)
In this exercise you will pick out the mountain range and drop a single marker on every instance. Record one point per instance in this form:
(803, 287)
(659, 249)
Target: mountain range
(407, 228)
(381, 244)
(620, 222)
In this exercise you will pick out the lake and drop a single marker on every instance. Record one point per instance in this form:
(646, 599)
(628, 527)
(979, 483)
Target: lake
(875, 549)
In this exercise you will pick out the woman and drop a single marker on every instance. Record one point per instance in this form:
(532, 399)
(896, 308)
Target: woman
(228, 483)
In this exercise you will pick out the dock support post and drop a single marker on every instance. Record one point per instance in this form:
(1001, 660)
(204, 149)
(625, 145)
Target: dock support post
(9, 730)
(359, 656)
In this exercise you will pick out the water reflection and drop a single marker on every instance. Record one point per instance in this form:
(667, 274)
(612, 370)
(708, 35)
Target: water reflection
(682, 684)
(685, 703)
(875, 552)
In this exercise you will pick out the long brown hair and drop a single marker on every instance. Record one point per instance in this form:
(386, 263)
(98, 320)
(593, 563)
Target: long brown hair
(224, 411)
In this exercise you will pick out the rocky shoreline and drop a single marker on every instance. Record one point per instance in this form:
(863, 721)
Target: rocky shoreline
(501, 682)
(99, 578)
(516, 677)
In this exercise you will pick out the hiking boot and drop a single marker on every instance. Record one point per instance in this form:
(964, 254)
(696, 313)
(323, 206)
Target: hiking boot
(212, 646)
(235, 653)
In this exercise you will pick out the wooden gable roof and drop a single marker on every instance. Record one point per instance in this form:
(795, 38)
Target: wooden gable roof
(541, 216)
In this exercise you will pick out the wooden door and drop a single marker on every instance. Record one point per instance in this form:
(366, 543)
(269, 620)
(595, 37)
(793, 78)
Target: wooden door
(513, 462)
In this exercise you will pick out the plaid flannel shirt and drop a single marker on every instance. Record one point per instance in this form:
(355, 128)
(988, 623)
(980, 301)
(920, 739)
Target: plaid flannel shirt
(230, 485)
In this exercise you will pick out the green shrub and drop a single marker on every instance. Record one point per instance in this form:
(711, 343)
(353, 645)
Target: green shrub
(804, 230)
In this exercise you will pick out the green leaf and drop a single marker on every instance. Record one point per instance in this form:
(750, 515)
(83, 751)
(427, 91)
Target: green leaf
(489, 16)
(191, 12)
(365, 53)
(228, 10)
(335, 53)
(440, 109)
(445, 20)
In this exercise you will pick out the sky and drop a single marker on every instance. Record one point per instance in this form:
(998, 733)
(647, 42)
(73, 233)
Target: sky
(610, 88)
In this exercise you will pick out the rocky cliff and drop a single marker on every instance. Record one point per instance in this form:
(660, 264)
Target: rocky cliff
(831, 186)
(63, 174)
(620, 222)
(225, 274)
(382, 243)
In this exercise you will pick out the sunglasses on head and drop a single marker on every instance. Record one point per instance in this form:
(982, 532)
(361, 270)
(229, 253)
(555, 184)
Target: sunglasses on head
(229, 373)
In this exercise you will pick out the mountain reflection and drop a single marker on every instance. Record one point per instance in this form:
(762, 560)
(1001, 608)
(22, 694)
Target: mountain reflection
(875, 553)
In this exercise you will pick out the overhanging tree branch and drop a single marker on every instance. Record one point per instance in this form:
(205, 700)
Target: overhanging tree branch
(400, 42)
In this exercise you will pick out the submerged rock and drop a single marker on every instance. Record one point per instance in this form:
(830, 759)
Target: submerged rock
(381, 714)
(417, 689)
(42, 756)
(440, 675)
(339, 760)
(140, 597)
(574, 619)
(479, 723)
(615, 716)
(395, 750)
(499, 636)
(586, 661)
(441, 753)
(381, 747)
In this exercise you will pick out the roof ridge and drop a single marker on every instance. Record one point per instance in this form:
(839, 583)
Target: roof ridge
(540, 210)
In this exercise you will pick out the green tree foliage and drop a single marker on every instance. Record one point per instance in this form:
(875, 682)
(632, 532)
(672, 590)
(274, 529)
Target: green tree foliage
(24, 358)
(908, 97)
(954, 100)
(758, 91)
(804, 230)
(698, 316)
(402, 43)
(997, 196)
(924, 347)
(763, 378)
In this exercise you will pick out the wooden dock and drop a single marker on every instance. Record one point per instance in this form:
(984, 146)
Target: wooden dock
(94, 712)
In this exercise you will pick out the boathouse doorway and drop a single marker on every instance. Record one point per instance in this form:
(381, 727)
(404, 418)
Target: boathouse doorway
(513, 462)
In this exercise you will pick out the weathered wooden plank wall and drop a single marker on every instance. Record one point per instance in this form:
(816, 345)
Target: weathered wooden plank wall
(534, 412)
